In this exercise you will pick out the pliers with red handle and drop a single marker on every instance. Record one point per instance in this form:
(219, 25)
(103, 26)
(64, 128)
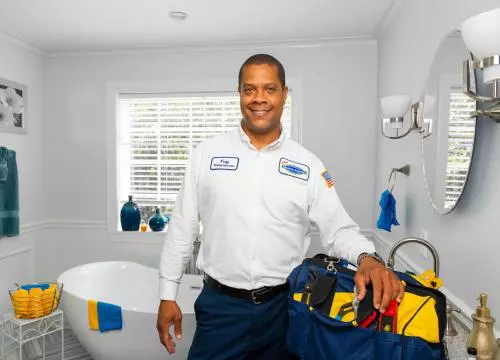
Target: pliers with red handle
(388, 321)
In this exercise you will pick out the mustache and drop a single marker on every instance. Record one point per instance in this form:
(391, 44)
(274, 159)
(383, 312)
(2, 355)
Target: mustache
(255, 102)
(259, 107)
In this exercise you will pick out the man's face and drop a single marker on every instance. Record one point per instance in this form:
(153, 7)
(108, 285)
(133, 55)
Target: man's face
(261, 98)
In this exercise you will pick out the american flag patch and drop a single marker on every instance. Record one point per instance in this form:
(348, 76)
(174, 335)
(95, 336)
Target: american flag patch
(328, 178)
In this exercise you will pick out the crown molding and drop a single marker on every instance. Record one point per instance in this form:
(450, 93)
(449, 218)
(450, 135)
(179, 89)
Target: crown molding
(387, 18)
(198, 47)
(14, 40)
(224, 46)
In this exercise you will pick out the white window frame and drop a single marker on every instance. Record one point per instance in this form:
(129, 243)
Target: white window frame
(113, 91)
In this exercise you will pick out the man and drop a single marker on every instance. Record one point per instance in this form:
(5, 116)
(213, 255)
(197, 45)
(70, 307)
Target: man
(256, 194)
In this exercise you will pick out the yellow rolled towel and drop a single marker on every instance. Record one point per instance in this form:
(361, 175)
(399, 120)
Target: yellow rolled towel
(21, 302)
(36, 307)
(49, 300)
(58, 296)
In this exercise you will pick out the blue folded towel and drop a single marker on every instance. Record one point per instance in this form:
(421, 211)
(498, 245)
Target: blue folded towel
(31, 286)
(9, 193)
(387, 216)
(110, 316)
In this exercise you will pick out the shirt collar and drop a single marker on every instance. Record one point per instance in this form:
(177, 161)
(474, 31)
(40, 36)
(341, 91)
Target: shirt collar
(275, 144)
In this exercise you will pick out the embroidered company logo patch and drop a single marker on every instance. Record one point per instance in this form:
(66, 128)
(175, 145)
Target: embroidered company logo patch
(224, 163)
(294, 169)
(327, 178)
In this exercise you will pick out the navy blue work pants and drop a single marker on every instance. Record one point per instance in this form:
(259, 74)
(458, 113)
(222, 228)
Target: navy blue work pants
(230, 328)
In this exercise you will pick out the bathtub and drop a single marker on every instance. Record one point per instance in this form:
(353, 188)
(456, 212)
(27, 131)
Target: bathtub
(135, 288)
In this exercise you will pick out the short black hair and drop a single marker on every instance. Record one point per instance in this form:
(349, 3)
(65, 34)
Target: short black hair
(261, 59)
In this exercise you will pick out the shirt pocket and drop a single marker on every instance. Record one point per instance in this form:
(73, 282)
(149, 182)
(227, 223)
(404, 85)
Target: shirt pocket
(287, 194)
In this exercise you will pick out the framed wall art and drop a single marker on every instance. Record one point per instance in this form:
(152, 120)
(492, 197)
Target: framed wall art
(12, 107)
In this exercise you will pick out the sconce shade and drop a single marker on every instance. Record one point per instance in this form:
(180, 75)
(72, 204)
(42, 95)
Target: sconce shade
(396, 122)
(429, 106)
(481, 34)
(395, 106)
(427, 126)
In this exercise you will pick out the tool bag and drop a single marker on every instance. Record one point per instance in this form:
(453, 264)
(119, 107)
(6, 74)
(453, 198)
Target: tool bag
(326, 322)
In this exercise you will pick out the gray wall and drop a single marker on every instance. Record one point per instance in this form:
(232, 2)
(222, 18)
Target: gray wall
(24, 65)
(467, 239)
(333, 77)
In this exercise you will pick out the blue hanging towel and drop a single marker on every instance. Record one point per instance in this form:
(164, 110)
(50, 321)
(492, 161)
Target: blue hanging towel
(9, 193)
(387, 216)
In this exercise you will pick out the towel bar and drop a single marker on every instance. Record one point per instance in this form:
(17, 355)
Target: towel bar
(392, 177)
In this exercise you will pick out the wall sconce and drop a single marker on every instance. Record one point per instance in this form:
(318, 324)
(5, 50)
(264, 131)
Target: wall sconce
(481, 34)
(394, 109)
(429, 113)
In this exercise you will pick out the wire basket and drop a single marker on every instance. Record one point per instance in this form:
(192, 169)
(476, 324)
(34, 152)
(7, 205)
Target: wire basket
(35, 300)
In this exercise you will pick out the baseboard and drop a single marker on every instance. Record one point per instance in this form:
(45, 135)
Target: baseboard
(408, 264)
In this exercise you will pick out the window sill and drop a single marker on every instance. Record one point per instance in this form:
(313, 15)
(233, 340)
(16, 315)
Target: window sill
(138, 237)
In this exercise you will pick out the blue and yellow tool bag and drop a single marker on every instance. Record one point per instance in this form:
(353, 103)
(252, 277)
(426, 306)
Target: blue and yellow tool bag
(327, 322)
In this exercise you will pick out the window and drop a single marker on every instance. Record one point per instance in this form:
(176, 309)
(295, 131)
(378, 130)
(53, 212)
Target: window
(158, 132)
(460, 144)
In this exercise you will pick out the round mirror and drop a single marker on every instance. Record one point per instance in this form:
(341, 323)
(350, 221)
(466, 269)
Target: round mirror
(448, 139)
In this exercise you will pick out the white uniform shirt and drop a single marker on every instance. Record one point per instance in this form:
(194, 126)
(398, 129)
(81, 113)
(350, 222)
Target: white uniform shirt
(257, 209)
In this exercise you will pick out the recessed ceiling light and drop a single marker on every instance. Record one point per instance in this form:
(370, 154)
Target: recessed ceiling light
(178, 15)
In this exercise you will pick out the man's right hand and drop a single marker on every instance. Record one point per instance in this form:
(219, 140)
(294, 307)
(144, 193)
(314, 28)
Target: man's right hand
(168, 313)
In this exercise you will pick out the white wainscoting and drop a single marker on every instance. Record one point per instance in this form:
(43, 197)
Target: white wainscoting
(19, 263)
(16, 266)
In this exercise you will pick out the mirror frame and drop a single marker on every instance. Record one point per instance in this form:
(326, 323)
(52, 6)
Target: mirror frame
(439, 210)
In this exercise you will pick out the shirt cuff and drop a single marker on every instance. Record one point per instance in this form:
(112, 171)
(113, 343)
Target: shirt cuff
(168, 289)
(366, 248)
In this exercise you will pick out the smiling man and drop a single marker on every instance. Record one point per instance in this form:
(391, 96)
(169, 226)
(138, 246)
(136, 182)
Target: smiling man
(257, 195)
(262, 98)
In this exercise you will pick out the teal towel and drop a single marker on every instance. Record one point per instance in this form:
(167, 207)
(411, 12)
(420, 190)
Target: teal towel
(9, 193)
(110, 316)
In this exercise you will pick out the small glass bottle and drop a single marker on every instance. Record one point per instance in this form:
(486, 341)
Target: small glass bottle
(144, 226)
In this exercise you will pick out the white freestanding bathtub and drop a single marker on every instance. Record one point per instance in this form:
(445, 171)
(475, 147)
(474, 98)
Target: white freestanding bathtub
(134, 287)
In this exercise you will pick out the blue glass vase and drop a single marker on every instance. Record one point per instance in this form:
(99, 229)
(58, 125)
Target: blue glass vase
(157, 222)
(130, 216)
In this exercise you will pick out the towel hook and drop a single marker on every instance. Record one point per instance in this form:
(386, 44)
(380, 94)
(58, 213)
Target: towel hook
(392, 177)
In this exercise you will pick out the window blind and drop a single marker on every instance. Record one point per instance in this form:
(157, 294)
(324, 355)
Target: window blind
(461, 132)
(159, 132)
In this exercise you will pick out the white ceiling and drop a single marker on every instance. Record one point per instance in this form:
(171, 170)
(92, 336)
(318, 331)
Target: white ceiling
(87, 25)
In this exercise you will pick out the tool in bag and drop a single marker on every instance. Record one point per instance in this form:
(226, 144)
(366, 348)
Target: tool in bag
(388, 321)
(327, 322)
(428, 278)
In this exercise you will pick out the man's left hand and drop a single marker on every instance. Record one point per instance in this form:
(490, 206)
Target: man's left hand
(386, 285)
